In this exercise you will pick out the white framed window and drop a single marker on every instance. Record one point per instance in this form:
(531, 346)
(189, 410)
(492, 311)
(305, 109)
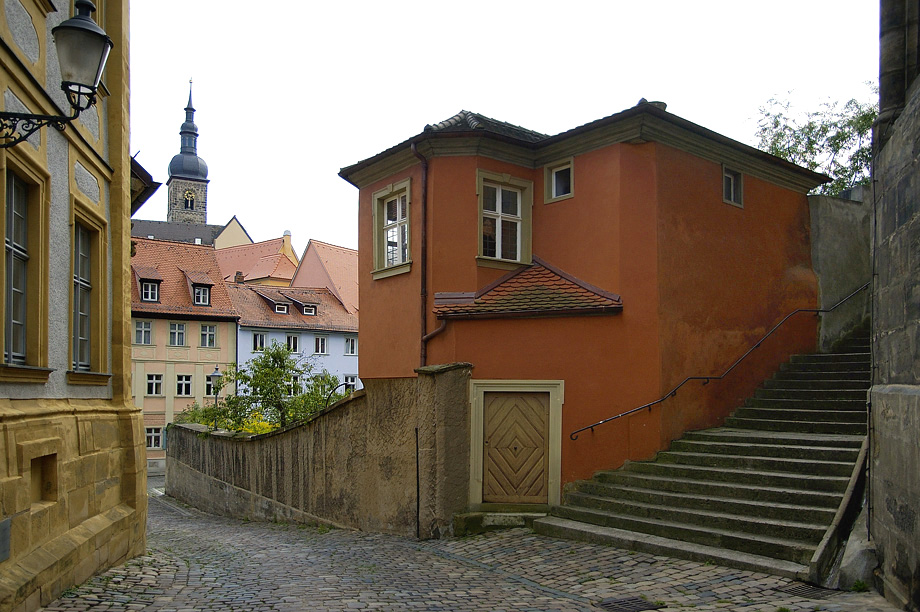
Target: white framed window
(293, 343)
(391, 209)
(208, 336)
(281, 308)
(293, 387)
(17, 262)
(258, 341)
(154, 437)
(82, 298)
(154, 384)
(319, 345)
(732, 187)
(505, 205)
(351, 382)
(560, 181)
(177, 334)
(143, 332)
(208, 387)
(184, 385)
(309, 310)
(150, 291)
(202, 295)
(351, 345)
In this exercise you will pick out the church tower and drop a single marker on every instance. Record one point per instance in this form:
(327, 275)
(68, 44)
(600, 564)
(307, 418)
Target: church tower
(188, 175)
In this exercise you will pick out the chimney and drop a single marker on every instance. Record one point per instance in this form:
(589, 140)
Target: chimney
(238, 277)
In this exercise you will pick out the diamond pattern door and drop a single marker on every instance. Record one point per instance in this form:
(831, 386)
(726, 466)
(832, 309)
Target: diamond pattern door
(515, 457)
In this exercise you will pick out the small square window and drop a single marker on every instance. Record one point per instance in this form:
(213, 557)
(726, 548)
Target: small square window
(154, 437)
(150, 291)
(309, 310)
(258, 341)
(154, 384)
(351, 383)
(319, 345)
(281, 308)
(732, 187)
(560, 183)
(184, 385)
(202, 295)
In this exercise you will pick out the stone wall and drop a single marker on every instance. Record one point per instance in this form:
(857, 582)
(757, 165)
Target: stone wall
(394, 458)
(841, 257)
(894, 519)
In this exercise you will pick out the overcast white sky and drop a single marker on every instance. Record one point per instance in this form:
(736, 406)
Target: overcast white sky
(288, 94)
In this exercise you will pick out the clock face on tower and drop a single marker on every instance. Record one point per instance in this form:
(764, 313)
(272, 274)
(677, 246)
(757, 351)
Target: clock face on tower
(189, 197)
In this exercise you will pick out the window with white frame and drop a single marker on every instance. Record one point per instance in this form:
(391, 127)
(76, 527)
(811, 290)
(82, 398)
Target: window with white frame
(309, 310)
(154, 437)
(559, 181)
(143, 332)
(732, 187)
(177, 334)
(351, 345)
(281, 308)
(351, 382)
(319, 345)
(208, 336)
(208, 387)
(17, 261)
(293, 387)
(505, 205)
(154, 384)
(258, 341)
(184, 385)
(150, 291)
(202, 295)
(391, 228)
(293, 343)
(82, 298)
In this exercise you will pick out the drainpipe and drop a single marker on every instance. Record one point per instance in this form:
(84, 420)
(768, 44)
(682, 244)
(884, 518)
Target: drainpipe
(423, 260)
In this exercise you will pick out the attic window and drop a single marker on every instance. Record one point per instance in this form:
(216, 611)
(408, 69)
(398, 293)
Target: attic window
(281, 308)
(309, 310)
(732, 187)
(150, 291)
(559, 184)
(202, 295)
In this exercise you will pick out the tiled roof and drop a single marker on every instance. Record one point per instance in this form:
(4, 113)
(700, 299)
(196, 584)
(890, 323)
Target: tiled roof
(538, 290)
(465, 121)
(177, 263)
(255, 304)
(257, 260)
(330, 266)
(176, 232)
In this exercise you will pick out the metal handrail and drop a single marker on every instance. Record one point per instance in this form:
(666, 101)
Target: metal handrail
(706, 379)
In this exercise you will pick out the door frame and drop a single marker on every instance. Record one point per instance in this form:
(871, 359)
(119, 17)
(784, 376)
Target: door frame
(556, 390)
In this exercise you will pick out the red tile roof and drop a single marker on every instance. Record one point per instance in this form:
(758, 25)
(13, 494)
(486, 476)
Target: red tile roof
(175, 264)
(255, 303)
(538, 290)
(257, 260)
(330, 266)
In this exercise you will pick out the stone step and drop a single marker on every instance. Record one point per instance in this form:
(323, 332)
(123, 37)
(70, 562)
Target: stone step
(760, 464)
(804, 426)
(747, 448)
(818, 375)
(793, 481)
(812, 385)
(783, 510)
(807, 404)
(811, 415)
(558, 527)
(855, 395)
(779, 438)
(739, 490)
(828, 366)
(832, 358)
(769, 546)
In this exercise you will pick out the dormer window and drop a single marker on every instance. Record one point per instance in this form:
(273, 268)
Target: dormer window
(281, 308)
(309, 310)
(150, 291)
(202, 295)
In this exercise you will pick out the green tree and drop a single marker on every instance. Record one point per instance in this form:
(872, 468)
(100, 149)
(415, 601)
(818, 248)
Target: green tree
(269, 382)
(835, 139)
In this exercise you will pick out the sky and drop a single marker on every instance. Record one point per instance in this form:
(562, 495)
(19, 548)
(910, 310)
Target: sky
(288, 94)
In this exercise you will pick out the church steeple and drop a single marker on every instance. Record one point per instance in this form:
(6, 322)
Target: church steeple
(188, 174)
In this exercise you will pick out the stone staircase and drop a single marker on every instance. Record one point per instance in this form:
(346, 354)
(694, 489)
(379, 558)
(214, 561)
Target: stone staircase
(759, 493)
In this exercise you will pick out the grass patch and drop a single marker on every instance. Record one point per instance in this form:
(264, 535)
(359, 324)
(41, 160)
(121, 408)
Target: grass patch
(859, 587)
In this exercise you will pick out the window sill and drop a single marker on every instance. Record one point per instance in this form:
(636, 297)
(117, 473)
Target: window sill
(24, 374)
(392, 270)
(501, 264)
(567, 196)
(143, 345)
(98, 379)
(735, 204)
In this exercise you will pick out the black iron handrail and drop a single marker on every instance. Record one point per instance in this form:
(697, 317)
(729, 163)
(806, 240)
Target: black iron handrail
(706, 379)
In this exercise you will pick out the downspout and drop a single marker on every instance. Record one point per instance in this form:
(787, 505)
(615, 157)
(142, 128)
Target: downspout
(423, 261)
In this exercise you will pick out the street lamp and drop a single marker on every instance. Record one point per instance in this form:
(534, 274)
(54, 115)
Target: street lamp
(215, 378)
(83, 48)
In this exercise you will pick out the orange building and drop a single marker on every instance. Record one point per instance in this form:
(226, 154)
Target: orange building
(582, 275)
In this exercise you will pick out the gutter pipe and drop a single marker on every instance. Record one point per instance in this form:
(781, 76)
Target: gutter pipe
(423, 261)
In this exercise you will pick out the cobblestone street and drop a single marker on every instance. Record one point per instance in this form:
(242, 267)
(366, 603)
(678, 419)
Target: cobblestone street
(196, 561)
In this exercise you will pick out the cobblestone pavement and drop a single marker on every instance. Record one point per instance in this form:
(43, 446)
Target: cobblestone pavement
(197, 561)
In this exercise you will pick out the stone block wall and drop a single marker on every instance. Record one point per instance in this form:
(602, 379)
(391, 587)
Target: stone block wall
(394, 458)
(894, 476)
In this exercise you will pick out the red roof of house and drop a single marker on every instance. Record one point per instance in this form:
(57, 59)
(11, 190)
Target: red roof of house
(178, 265)
(538, 290)
(257, 260)
(331, 266)
(256, 305)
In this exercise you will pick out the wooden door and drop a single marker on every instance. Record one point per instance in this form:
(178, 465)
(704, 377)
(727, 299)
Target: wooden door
(515, 454)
